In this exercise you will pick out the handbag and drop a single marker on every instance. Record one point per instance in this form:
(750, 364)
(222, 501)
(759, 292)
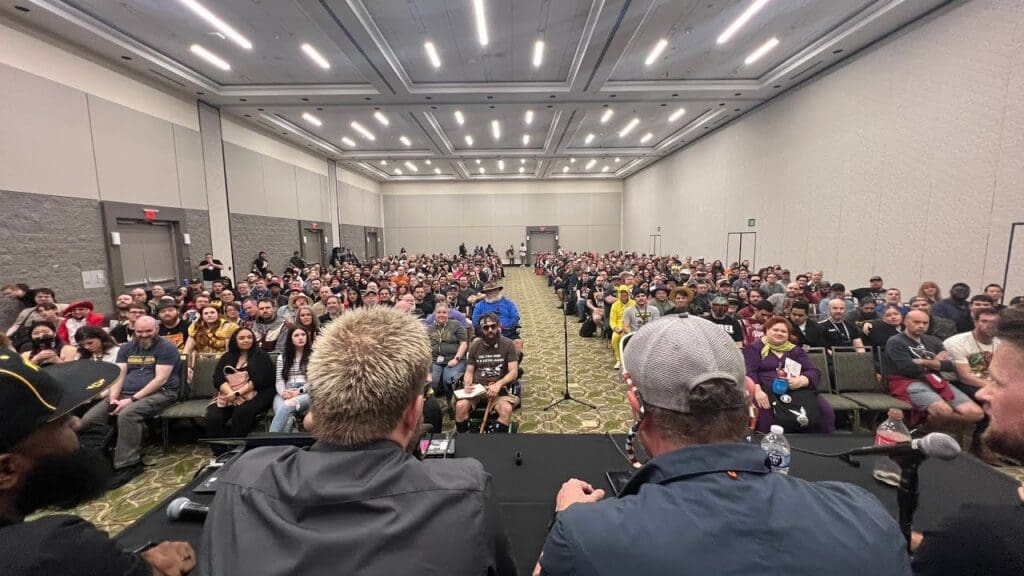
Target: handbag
(796, 410)
(236, 378)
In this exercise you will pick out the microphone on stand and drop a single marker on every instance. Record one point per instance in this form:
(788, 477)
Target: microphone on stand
(186, 510)
(934, 445)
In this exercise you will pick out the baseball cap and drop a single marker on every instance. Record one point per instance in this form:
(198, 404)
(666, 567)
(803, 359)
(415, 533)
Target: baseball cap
(31, 396)
(669, 357)
(166, 304)
(875, 279)
(719, 301)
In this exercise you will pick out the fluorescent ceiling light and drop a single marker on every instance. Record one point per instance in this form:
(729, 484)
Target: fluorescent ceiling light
(427, 161)
(590, 164)
(381, 118)
(404, 140)
(351, 144)
(761, 51)
(607, 115)
(481, 21)
(522, 160)
(398, 171)
(646, 137)
(210, 57)
(629, 127)
(565, 169)
(588, 139)
(496, 129)
(604, 168)
(411, 166)
(217, 23)
(677, 114)
(538, 53)
(459, 117)
(362, 130)
(522, 169)
(656, 51)
(316, 56)
(482, 170)
(526, 139)
(432, 54)
(437, 170)
(311, 119)
(742, 19)
(478, 161)
(617, 159)
(469, 140)
(383, 162)
(572, 160)
(529, 117)
(501, 164)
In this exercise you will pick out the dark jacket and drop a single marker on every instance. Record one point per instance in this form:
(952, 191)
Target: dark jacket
(716, 509)
(959, 313)
(901, 351)
(261, 370)
(371, 510)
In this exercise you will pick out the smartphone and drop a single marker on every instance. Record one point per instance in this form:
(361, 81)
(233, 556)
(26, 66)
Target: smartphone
(618, 479)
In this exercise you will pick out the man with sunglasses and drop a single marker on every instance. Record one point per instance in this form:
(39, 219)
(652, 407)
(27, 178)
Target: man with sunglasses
(492, 362)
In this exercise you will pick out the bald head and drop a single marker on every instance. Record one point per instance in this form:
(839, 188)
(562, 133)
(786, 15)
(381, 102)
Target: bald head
(836, 309)
(915, 323)
(146, 331)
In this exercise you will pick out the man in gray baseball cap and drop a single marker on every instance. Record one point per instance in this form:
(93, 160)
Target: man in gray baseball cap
(707, 501)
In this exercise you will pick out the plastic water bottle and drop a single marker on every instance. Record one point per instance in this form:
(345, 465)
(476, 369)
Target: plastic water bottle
(888, 433)
(777, 447)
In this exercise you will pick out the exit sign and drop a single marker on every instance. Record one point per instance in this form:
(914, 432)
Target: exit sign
(751, 222)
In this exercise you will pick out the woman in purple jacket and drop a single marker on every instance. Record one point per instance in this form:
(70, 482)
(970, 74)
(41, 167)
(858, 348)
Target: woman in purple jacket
(767, 356)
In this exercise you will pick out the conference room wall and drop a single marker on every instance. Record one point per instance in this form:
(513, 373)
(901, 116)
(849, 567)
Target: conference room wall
(904, 162)
(438, 216)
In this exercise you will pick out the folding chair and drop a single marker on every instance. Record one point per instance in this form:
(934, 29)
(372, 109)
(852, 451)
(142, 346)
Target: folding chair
(826, 389)
(196, 398)
(856, 379)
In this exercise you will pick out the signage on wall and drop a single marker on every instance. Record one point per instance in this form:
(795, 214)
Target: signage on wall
(541, 228)
(315, 226)
(150, 213)
(751, 222)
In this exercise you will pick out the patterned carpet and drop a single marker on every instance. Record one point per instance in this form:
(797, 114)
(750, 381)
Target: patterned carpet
(591, 378)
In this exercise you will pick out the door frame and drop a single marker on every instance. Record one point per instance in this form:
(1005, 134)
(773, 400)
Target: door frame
(377, 234)
(728, 242)
(325, 232)
(113, 212)
(1009, 255)
(531, 230)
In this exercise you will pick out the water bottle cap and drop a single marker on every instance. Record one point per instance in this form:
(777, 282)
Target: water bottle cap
(776, 429)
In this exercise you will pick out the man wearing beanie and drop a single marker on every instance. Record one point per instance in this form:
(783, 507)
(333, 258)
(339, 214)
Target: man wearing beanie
(707, 502)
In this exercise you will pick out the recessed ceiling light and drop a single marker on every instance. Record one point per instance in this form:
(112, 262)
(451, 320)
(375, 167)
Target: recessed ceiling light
(604, 168)
(646, 137)
(383, 162)
(210, 57)
(656, 51)
(528, 118)
(629, 127)
(677, 114)
(362, 130)
(538, 53)
(607, 115)
(404, 140)
(427, 161)
(526, 139)
(617, 159)
(469, 140)
(478, 161)
(217, 23)
(588, 139)
(501, 164)
(565, 169)
(435, 58)
(411, 166)
(590, 164)
(437, 170)
(742, 19)
(381, 118)
(312, 119)
(398, 171)
(522, 169)
(761, 51)
(572, 160)
(351, 144)
(482, 170)
(459, 117)
(496, 129)
(522, 160)
(481, 21)
(316, 56)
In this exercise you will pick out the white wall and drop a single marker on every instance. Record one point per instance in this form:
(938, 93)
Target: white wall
(436, 217)
(906, 162)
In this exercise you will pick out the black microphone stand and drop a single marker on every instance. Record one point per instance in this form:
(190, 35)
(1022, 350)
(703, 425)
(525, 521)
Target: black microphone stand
(907, 493)
(567, 396)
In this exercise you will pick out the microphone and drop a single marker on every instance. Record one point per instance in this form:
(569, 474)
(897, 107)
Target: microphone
(186, 510)
(934, 445)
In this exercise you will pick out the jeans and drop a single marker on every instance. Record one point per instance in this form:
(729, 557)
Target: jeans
(442, 376)
(581, 310)
(130, 423)
(283, 411)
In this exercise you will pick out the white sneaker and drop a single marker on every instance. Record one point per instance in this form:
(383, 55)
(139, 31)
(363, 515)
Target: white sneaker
(617, 365)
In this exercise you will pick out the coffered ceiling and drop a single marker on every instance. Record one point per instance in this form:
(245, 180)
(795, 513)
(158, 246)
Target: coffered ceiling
(476, 89)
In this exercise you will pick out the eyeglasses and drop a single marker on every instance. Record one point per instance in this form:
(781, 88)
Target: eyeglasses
(489, 327)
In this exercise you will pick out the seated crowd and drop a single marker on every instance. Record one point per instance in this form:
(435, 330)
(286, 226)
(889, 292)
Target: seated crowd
(261, 332)
(931, 352)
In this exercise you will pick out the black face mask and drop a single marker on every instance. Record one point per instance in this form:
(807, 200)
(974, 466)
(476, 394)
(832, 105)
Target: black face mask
(64, 481)
(44, 342)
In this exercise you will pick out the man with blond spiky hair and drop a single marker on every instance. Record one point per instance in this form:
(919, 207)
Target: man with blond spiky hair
(357, 501)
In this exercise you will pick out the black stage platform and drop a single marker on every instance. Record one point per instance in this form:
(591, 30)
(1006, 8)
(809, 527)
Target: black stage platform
(527, 491)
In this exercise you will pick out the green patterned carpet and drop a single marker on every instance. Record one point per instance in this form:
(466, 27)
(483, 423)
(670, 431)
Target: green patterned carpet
(591, 378)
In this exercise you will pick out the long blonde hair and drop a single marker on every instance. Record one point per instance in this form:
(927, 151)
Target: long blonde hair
(930, 284)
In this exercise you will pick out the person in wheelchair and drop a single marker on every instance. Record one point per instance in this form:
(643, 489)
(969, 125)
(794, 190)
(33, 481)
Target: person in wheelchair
(492, 362)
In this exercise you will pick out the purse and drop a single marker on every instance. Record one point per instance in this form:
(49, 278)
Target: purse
(796, 410)
(236, 378)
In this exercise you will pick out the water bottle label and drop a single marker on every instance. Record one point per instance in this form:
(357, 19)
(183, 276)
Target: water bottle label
(888, 440)
(778, 460)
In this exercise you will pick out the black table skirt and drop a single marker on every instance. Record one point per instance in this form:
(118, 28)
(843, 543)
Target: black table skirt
(527, 491)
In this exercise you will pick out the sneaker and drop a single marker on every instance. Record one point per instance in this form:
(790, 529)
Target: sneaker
(125, 475)
(617, 365)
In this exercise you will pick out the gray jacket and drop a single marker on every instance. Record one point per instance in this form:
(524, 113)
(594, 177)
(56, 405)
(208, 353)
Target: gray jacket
(371, 510)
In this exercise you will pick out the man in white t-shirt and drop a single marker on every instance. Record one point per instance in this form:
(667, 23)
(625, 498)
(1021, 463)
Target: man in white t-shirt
(971, 353)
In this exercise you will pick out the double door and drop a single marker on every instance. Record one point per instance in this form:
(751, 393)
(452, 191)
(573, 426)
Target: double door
(148, 253)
